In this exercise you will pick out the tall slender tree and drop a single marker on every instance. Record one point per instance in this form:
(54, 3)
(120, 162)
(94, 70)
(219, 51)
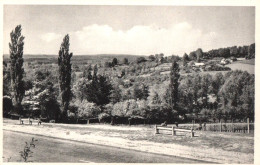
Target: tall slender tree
(17, 70)
(65, 76)
(174, 84)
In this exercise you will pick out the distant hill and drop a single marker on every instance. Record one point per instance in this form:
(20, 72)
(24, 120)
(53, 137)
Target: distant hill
(77, 59)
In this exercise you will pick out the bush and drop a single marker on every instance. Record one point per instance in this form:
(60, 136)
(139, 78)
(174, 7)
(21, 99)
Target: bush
(88, 110)
(216, 68)
(7, 105)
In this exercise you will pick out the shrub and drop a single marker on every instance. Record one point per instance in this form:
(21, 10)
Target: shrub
(88, 110)
(7, 105)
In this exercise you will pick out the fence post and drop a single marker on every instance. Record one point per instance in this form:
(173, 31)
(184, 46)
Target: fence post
(172, 131)
(248, 129)
(192, 133)
(192, 124)
(156, 130)
(220, 126)
(232, 126)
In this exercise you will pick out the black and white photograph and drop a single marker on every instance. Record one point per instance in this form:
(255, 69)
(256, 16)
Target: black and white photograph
(128, 83)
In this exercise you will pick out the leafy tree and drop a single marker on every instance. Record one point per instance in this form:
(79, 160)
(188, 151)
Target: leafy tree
(79, 89)
(140, 60)
(192, 56)
(50, 108)
(120, 109)
(65, 75)
(174, 84)
(137, 92)
(151, 58)
(98, 90)
(251, 51)
(122, 73)
(17, 70)
(217, 82)
(7, 105)
(237, 93)
(199, 54)
(116, 95)
(186, 92)
(185, 58)
(161, 59)
(233, 51)
(247, 100)
(28, 84)
(87, 72)
(206, 81)
(125, 61)
(108, 64)
(114, 62)
(140, 92)
(95, 71)
(87, 109)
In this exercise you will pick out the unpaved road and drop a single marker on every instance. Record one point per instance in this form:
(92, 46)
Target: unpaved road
(56, 150)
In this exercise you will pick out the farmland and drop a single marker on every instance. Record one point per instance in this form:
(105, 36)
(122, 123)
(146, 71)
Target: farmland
(245, 65)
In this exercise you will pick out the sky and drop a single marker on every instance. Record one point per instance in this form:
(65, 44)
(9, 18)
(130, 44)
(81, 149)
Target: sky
(138, 30)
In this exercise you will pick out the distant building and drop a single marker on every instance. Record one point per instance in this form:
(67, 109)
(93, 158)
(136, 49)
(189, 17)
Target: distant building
(224, 61)
(199, 64)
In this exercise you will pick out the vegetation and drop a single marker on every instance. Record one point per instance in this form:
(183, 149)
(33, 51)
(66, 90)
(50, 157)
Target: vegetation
(27, 151)
(16, 69)
(153, 89)
(65, 75)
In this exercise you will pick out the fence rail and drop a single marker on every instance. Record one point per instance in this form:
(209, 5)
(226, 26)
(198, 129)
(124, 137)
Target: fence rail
(223, 127)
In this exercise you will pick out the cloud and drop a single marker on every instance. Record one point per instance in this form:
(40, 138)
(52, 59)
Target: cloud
(48, 37)
(140, 39)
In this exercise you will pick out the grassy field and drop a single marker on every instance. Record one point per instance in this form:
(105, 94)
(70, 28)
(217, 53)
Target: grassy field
(245, 65)
(250, 61)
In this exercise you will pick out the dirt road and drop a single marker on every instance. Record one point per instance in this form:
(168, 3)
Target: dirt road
(56, 150)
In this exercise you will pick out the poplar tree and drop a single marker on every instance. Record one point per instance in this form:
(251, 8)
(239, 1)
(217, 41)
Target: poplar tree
(16, 69)
(65, 76)
(174, 84)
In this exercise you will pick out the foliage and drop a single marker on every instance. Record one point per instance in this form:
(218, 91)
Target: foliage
(87, 72)
(140, 92)
(79, 88)
(115, 95)
(125, 61)
(27, 152)
(114, 62)
(251, 51)
(174, 84)
(238, 93)
(7, 105)
(143, 89)
(140, 60)
(151, 57)
(16, 69)
(185, 58)
(199, 54)
(50, 108)
(6, 79)
(99, 89)
(87, 109)
(65, 75)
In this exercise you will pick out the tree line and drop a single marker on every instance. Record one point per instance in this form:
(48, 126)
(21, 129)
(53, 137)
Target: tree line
(247, 52)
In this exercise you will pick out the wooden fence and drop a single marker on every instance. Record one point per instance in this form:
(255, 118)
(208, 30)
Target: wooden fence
(222, 127)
